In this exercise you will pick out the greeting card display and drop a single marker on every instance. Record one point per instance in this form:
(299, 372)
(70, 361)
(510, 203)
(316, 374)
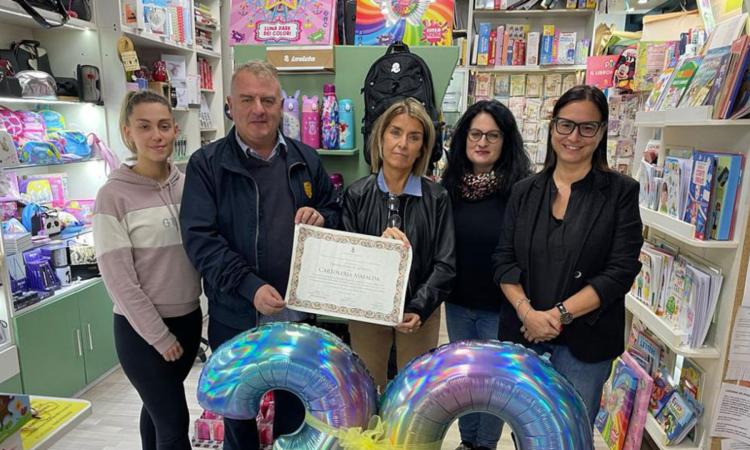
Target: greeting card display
(281, 22)
(415, 22)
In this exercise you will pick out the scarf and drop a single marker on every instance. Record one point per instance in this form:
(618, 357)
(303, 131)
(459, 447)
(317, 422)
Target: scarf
(478, 187)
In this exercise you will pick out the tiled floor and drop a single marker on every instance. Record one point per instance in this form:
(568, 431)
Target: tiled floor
(113, 424)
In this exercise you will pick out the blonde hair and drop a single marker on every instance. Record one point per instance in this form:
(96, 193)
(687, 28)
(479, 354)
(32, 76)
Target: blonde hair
(133, 99)
(261, 69)
(415, 110)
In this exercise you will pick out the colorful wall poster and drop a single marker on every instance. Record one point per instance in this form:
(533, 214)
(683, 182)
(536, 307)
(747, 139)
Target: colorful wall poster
(415, 22)
(282, 22)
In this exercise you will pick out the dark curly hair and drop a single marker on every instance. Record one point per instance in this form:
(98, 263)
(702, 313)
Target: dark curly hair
(512, 166)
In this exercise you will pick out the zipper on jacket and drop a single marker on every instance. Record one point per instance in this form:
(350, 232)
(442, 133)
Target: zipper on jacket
(257, 234)
(297, 203)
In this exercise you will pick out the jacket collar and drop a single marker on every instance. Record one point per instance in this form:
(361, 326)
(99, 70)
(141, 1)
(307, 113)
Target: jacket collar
(231, 156)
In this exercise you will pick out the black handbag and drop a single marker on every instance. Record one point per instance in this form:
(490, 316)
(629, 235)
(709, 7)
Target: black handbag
(29, 55)
(50, 5)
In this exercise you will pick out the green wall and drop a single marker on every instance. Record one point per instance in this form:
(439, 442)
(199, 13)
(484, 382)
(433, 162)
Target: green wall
(352, 64)
(12, 385)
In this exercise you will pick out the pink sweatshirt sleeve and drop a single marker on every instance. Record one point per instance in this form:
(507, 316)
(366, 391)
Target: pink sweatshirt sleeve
(115, 258)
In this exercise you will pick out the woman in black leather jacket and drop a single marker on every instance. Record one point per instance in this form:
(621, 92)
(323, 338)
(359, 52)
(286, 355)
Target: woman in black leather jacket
(397, 202)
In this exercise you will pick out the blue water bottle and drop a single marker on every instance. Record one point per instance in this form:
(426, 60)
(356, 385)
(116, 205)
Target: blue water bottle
(346, 124)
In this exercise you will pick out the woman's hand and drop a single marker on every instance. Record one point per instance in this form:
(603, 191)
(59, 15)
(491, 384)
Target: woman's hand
(541, 326)
(410, 324)
(395, 233)
(173, 353)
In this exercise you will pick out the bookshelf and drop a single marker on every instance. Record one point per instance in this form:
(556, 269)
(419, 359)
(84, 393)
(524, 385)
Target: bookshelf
(692, 127)
(201, 121)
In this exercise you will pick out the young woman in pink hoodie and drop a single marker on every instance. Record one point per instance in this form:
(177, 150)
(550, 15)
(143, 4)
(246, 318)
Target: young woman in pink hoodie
(155, 289)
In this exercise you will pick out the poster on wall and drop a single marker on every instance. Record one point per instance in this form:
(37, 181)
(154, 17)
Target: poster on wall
(415, 22)
(281, 22)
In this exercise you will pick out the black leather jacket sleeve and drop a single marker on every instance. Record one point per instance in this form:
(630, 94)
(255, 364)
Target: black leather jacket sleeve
(428, 223)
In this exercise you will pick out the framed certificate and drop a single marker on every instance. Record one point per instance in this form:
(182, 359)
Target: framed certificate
(348, 275)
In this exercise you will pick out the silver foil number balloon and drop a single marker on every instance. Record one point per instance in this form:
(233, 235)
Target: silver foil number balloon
(503, 379)
(312, 363)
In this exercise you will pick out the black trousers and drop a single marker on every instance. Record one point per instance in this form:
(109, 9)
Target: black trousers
(165, 420)
(289, 411)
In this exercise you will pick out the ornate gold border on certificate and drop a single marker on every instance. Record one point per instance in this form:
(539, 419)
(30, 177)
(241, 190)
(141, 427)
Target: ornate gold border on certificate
(396, 246)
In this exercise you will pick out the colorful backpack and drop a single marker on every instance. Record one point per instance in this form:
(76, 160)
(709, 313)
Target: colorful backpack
(28, 132)
(73, 143)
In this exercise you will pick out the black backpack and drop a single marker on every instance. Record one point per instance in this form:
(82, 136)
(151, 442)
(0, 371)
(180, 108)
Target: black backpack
(396, 75)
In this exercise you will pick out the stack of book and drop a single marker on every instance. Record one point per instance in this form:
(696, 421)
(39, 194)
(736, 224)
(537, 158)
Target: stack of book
(681, 290)
(516, 45)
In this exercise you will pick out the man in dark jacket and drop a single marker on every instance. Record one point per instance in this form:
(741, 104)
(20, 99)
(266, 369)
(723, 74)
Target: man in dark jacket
(243, 195)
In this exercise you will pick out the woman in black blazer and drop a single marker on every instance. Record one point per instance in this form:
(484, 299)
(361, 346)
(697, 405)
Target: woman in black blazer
(569, 249)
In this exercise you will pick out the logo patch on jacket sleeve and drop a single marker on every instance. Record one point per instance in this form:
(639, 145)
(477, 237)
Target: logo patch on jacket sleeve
(308, 189)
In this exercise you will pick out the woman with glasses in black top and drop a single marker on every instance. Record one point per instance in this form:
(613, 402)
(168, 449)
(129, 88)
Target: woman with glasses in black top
(486, 159)
(397, 202)
(569, 248)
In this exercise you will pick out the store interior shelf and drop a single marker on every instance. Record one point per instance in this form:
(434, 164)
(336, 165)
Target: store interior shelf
(208, 130)
(525, 69)
(207, 28)
(60, 293)
(208, 91)
(41, 101)
(657, 434)
(32, 166)
(540, 13)
(324, 152)
(684, 117)
(146, 39)
(12, 13)
(665, 332)
(207, 53)
(682, 231)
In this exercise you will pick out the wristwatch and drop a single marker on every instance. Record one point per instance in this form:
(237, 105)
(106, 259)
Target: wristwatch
(566, 318)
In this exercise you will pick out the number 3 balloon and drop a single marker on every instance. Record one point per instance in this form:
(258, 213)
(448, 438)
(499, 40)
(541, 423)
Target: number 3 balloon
(417, 407)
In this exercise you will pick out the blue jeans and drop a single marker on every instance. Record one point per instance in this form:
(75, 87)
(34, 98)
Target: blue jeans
(465, 323)
(587, 378)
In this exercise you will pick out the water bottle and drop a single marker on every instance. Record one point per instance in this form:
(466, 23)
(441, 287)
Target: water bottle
(329, 118)
(310, 121)
(346, 124)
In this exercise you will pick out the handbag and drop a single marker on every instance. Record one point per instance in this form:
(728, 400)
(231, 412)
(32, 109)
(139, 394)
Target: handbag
(50, 5)
(80, 9)
(30, 55)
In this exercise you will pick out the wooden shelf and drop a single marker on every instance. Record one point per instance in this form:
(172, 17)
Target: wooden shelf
(665, 332)
(530, 69)
(151, 40)
(682, 231)
(657, 434)
(12, 14)
(534, 13)
(324, 152)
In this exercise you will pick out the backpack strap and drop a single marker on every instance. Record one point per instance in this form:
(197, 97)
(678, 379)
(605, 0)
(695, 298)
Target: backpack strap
(58, 8)
(101, 150)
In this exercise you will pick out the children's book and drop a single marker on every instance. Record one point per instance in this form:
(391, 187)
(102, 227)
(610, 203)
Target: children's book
(640, 405)
(600, 70)
(569, 80)
(616, 406)
(699, 196)
(677, 418)
(740, 55)
(284, 22)
(677, 181)
(534, 85)
(415, 22)
(566, 48)
(660, 89)
(531, 112)
(660, 393)
(712, 65)
(502, 85)
(725, 195)
(517, 106)
(484, 44)
(552, 85)
(642, 285)
(484, 85)
(679, 82)
(650, 63)
(530, 128)
(517, 85)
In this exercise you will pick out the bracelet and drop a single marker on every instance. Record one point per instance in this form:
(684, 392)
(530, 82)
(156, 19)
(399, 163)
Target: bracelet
(521, 300)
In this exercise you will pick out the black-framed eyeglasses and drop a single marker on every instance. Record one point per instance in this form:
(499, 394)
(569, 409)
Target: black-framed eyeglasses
(394, 219)
(585, 129)
(492, 136)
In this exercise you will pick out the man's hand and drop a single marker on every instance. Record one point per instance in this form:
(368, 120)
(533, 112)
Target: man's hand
(309, 216)
(410, 324)
(268, 301)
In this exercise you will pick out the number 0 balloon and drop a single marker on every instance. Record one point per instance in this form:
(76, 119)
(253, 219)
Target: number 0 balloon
(312, 363)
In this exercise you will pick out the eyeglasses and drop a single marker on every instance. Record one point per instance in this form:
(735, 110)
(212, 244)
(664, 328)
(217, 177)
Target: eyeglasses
(394, 220)
(492, 136)
(585, 129)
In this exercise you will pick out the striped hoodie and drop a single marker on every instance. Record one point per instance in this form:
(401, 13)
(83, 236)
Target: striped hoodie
(140, 253)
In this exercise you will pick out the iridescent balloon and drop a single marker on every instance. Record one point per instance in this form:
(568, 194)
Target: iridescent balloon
(310, 362)
(503, 379)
